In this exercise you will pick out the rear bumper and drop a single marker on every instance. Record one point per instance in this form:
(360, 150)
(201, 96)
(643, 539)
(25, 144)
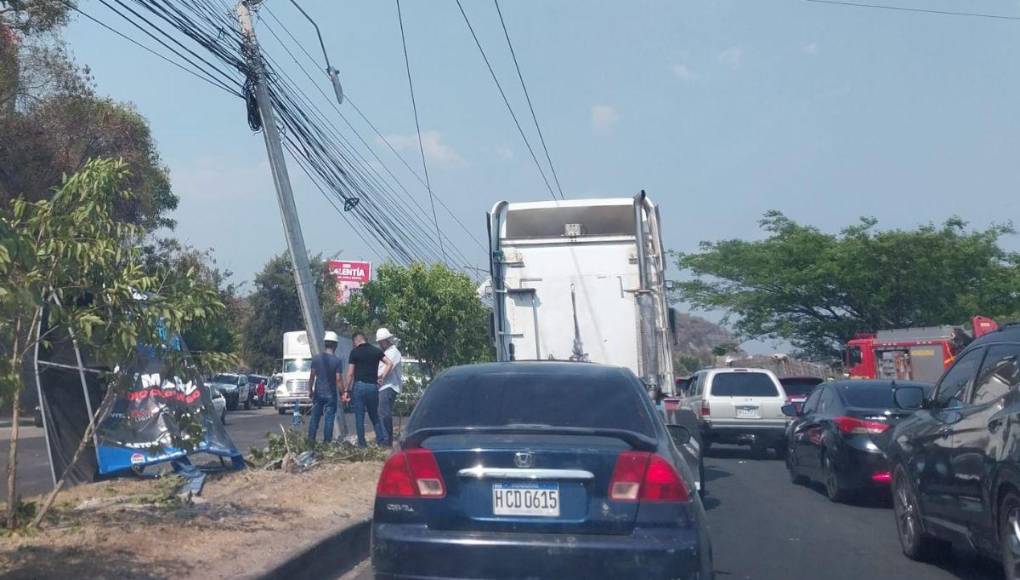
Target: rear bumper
(857, 466)
(414, 551)
(744, 432)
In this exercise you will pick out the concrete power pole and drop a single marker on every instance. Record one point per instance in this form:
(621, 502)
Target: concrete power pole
(311, 312)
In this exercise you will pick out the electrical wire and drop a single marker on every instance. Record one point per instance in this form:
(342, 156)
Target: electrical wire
(922, 10)
(417, 124)
(371, 125)
(199, 75)
(531, 107)
(505, 100)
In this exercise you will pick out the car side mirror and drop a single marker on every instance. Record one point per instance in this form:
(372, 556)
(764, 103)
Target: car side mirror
(909, 398)
(679, 434)
(790, 410)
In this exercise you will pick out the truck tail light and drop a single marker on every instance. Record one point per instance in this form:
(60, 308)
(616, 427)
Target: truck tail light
(706, 409)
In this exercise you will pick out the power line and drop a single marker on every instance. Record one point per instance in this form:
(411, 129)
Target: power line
(923, 10)
(505, 100)
(417, 126)
(370, 149)
(531, 107)
(371, 125)
(199, 75)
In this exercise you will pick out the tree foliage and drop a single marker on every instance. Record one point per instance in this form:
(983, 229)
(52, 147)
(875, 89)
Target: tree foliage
(70, 259)
(53, 123)
(818, 290)
(434, 311)
(274, 309)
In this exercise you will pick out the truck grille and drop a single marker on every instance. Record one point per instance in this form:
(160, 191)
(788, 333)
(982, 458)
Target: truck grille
(295, 386)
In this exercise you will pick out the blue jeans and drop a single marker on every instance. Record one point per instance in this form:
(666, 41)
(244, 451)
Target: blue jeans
(386, 399)
(320, 403)
(366, 398)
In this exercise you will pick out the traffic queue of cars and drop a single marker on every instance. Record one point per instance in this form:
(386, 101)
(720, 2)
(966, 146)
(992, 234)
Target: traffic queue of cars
(231, 391)
(500, 473)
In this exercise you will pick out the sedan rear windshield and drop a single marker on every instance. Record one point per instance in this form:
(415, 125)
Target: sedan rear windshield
(743, 385)
(225, 379)
(799, 387)
(869, 397)
(534, 399)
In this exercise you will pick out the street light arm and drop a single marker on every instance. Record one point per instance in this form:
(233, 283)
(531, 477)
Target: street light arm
(334, 75)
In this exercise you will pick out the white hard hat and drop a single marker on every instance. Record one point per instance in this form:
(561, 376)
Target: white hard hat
(331, 337)
(383, 334)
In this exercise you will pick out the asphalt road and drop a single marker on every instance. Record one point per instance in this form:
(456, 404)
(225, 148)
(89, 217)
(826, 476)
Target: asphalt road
(765, 528)
(246, 428)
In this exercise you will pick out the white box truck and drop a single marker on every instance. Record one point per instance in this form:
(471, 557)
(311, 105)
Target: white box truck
(294, 371)
(582, 280)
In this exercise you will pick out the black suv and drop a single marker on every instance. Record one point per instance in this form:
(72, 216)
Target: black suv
(956, 476)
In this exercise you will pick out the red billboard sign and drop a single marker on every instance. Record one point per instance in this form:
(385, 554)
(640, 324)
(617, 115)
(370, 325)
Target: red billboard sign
(350, 276)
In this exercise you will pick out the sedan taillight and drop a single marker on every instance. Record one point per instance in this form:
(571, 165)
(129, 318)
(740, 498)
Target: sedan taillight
(855, 426)
(643, 476)
(411, 473)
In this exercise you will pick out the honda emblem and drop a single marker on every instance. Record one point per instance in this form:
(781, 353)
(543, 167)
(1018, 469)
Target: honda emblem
(524, 459)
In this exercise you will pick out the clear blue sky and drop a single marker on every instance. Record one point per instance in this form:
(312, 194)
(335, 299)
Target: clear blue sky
(720, 109)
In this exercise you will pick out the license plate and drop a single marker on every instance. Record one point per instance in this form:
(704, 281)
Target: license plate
(747, 413)
(526, 499)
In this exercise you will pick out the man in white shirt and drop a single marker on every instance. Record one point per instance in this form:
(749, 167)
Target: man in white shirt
(390, 379)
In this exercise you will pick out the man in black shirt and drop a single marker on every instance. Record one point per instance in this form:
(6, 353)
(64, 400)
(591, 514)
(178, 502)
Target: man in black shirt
(324, 383)
(363, 379)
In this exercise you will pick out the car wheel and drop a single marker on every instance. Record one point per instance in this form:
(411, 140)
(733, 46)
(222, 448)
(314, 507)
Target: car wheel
(834, 489)
(795, 478)
(706, 445)
(231, 404)
(780, 449)
(916, 544)
(281, 411)
(1009, 535)
(223, 417)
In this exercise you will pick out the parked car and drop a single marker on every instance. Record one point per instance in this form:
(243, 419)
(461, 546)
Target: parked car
(497, 478)
(955, 474)
(739, 406)
(234, 388)
(799, 388)
(219, 405)
(831, 439)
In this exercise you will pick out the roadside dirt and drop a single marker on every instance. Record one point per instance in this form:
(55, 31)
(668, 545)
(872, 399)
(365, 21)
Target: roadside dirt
(243, 524)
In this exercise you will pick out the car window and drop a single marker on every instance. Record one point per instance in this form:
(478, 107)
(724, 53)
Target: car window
(999, 373)
(225, 379)
(829, 401)
(956, 380)
(799, 386)
(497, 399)
(743, 385)
(868, 397)
(811, 405)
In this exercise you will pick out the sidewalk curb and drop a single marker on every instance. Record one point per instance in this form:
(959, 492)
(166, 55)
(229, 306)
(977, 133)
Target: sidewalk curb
(332, 556)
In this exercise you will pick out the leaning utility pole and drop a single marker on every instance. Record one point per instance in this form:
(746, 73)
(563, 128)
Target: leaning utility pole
(310, 309)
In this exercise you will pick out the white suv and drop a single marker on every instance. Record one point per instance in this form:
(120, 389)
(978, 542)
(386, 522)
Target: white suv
(742, 406)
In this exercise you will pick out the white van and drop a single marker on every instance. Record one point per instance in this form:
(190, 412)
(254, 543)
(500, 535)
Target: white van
(739, 406)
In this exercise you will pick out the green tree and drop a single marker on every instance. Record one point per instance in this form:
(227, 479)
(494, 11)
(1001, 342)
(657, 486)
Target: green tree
(70, 259)
(274, 308)
(53, 122)
(434, 311)
(818, 290)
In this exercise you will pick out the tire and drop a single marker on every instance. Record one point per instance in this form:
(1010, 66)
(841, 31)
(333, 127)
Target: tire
(780, 449)
(232, 404)
(223, 417)
(706, 445)
(247, 404)
(1009, 535)
(795, 478)
(916, 543)
(834, 489)
(281, 411)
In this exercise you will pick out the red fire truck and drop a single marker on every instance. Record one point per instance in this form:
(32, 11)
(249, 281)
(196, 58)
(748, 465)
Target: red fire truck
(911, 354)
